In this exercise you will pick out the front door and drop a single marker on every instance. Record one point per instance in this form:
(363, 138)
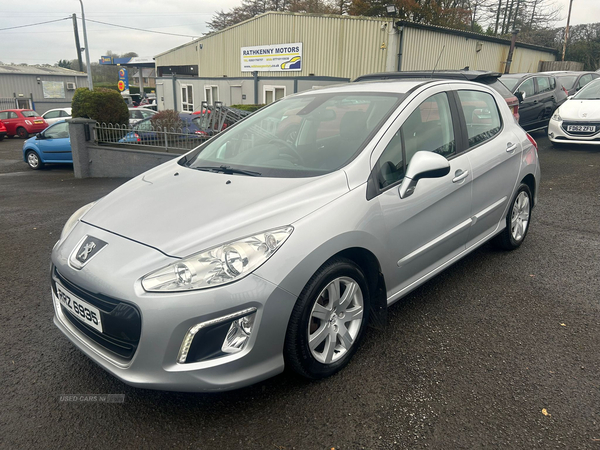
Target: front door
(430, 227)
(531, 107)
(56, 144)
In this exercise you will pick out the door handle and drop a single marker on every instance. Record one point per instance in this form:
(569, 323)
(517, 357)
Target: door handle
(510, 147)
(460, 175)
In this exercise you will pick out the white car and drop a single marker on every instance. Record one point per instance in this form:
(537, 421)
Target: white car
(56, 115)
(137, 114)
(577, 121)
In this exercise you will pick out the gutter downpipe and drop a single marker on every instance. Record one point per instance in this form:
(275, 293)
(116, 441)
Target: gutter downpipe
(174, 91)
(400, 39)
(255, 75)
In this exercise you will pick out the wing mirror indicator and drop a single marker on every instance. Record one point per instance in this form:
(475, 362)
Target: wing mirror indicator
(423, 165)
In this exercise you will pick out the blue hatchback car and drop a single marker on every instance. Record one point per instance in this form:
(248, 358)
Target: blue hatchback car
(53, 145)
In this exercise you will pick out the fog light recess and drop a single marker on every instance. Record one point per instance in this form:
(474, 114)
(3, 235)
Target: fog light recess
(217, 337)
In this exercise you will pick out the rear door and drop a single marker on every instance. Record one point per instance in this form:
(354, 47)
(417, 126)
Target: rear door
(494, 156)
(530, 108)
(430, 227)
(56, 145)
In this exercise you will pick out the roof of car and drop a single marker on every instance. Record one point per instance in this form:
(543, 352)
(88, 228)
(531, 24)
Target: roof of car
(17, 110)
(469, 75)
(375, 86)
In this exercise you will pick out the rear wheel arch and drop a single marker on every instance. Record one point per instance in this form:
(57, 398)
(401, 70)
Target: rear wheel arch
(529, 180)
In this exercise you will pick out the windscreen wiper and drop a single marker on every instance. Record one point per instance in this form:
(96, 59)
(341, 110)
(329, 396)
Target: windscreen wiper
(228, 170)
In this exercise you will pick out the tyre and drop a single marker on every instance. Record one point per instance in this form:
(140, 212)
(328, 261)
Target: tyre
(328, 320)
(22, 133)
(517, 220)
(33, 160)
(1, 137)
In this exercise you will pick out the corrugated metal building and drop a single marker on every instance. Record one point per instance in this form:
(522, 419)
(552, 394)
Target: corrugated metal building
(38, 87)
(334, 49)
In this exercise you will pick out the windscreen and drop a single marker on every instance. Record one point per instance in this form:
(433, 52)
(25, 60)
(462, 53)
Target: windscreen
(307, 135)
(590, 91)
(510, 83)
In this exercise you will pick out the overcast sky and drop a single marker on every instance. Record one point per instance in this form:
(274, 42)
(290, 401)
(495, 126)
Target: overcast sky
(50, 42)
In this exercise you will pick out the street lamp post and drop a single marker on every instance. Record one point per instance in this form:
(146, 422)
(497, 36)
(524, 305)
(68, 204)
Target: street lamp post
(87, 50)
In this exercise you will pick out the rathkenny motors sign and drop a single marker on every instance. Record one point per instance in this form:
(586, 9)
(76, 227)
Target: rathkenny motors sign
(272, 58)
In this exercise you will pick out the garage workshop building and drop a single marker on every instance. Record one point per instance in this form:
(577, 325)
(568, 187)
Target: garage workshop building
(38, 87)
(276, 54)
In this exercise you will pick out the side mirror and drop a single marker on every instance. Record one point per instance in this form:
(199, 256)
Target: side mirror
(40, 136)
(521, 95)
(423, 165)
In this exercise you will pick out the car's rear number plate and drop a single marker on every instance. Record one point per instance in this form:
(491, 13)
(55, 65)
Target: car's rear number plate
(38, 121)
(581, 128)
(80, 309)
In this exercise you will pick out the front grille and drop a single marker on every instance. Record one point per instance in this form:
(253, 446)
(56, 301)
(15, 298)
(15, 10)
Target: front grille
(581, 133)
(121, 321)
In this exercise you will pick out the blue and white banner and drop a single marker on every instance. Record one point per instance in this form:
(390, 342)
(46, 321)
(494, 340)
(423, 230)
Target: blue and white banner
(272, 58)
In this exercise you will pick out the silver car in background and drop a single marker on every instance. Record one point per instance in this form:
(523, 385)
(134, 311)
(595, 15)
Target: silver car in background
(266, 248)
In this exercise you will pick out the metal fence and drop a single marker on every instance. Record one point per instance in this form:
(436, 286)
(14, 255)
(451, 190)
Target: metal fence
(179, 136)
(167, 139)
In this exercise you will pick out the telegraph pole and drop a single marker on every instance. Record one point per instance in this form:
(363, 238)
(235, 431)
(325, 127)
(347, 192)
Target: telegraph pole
(87, 50)
(77, 44)
(567, 30)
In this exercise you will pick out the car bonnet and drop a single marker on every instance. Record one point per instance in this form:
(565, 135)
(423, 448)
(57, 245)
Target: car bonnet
(181, 211)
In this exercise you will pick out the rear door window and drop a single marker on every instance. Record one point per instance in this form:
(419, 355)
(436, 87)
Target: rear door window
(481, 114)
(543, 85)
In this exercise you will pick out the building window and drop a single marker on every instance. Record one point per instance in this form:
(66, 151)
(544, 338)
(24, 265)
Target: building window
(146, 80)
(211, 94)
(187, 98)
(273, 93)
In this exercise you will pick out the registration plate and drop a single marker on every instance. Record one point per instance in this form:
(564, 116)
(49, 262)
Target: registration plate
(582, 128)
(80, 309)
(38, 121)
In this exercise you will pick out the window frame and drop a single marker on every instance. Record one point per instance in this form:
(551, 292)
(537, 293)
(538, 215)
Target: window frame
(458, 128)
(518, 89)
(187, 103)
(538, 90)
(463, 121)
(210, 87)
(272, 88)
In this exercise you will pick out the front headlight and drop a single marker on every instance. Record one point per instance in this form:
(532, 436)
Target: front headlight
(219, 265)
(74, 219)
(556, 116)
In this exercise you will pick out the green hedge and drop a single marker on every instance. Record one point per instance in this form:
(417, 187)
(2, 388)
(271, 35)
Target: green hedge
(250, 108)
(101, 104)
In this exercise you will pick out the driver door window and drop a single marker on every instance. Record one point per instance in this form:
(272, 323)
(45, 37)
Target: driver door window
(527, 87)
(428, 128)
(59, 131)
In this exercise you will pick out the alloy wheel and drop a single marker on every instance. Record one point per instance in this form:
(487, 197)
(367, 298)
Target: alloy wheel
(335, 320)
(520, 216)
(33, 160)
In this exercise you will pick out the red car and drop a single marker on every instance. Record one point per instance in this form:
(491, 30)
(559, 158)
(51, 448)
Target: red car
(2, 130)
(22, 122)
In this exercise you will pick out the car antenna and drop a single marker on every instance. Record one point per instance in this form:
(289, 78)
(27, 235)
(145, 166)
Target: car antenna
(438, 60)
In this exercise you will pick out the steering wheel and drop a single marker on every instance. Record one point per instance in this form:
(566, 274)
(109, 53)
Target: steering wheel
(293, 152)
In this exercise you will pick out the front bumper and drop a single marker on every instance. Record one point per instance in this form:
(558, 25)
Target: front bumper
(558, 135)
(165, 319)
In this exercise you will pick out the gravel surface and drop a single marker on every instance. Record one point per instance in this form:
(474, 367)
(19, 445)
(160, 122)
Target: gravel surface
(499, 351)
